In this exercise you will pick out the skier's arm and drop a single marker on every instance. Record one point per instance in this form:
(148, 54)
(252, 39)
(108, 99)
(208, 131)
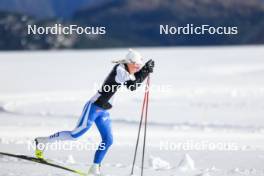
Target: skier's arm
(140, 76)
(122, 75)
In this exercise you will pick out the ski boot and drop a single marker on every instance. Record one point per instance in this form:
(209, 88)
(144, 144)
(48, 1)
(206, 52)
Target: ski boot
(94, 170)
(39, 149)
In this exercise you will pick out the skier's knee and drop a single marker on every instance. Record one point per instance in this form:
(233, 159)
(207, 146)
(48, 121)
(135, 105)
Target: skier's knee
(108, 142)
(76, 135)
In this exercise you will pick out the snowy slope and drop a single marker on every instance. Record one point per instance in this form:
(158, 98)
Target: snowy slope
(221, 86)
(215, 99)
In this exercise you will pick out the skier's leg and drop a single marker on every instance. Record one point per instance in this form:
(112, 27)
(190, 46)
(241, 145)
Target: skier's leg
(104, 126)
(85, 122)
(82, 126)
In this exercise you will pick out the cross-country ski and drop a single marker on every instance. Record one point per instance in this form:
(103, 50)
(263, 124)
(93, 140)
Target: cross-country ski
(43, 161)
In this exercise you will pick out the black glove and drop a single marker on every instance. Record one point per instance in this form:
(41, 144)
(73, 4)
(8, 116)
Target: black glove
(148, 67)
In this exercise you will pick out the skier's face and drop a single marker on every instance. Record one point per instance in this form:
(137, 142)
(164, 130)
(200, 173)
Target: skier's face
(133, 67)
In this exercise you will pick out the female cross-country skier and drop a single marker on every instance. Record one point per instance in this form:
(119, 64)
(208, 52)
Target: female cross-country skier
(129, 72)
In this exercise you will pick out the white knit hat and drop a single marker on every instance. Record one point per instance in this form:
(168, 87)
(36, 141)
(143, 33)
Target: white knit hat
(131, 57)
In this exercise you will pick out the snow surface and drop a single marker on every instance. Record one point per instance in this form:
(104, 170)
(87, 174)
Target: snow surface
(207, 122)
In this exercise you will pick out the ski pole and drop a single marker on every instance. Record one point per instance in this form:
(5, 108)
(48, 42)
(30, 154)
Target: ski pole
(140, 125)
(145, 130)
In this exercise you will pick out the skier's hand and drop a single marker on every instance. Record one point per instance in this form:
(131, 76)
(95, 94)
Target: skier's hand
(149, 66)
